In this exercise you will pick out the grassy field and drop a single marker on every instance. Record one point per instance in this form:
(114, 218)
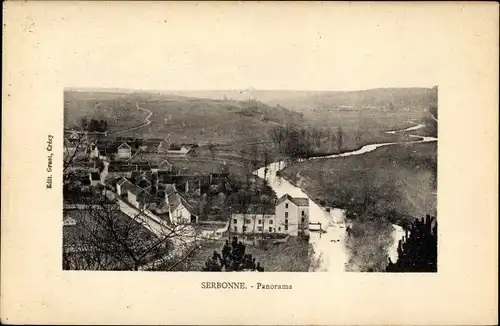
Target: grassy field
(217, 121)
(118, 109)
(181, 119)
(292, 256)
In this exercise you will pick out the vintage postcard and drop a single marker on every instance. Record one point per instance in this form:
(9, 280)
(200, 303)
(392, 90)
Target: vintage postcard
(328, 152)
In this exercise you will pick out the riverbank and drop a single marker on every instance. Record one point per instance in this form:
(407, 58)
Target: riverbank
(402, 176)
(396, 183)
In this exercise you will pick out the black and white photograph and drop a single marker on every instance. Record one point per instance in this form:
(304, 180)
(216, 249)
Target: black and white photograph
(250, 180)
(340, 157)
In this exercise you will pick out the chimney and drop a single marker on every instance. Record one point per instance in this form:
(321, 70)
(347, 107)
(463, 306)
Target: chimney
(187, 187)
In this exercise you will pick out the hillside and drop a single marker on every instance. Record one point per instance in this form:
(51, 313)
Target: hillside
(176, 117)
(117, 108)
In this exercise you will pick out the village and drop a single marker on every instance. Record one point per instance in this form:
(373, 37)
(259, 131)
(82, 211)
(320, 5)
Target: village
(139, 175)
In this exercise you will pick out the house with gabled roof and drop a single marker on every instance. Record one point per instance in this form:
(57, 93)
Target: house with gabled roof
(181, 212)
(139, 197)
(124, 151)
(69, 221)
(292, 215)
(123, 186)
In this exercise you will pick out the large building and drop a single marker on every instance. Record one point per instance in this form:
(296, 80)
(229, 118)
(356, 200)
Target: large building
(291, 217)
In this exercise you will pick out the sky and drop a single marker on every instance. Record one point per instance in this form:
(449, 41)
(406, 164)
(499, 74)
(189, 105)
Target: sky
(222, 46)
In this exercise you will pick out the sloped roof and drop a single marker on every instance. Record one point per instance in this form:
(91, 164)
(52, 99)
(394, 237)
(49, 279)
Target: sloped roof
(182, 179)
(145, 197)
(165, 163)
(174, 200)
(254, 209)
(142, 195)
(125, 184)
(143, 183)
(299, 201)
(123, 145)
(123, 181)
(136, 190)
(111, 150)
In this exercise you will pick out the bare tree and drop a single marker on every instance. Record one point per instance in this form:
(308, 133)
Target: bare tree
(254, 154)
(105, 239)
(278, 136)
(266, 162)
(340, 138)
(111, 234)
(73, 149)
(211, 148)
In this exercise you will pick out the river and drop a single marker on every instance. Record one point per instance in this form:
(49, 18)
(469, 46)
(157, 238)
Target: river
(329, 247)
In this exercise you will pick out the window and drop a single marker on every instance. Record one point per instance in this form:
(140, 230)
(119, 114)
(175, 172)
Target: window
(270, 229)
(286, 205)
(286, 214)
(235, 229)
(279, 228)
(235, 221)
(270, 221)
(303, 213)
(286, 227)
(303, 220)
(260, 221)
(247, 221)
(286, 222)
(259, 228)
(244, 229)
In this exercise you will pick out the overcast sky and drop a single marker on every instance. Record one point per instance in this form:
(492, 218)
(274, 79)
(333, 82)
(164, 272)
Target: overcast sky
(264, 46)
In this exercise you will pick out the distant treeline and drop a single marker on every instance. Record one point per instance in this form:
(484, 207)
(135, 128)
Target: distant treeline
(93, 125)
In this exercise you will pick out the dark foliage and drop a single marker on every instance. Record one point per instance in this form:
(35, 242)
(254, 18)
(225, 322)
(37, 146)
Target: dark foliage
(417, 251)
(93, 125)
(233, 259)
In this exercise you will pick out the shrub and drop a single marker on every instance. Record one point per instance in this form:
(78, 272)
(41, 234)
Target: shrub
(233, 259)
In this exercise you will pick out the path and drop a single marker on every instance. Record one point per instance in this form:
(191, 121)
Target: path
(148, 122)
